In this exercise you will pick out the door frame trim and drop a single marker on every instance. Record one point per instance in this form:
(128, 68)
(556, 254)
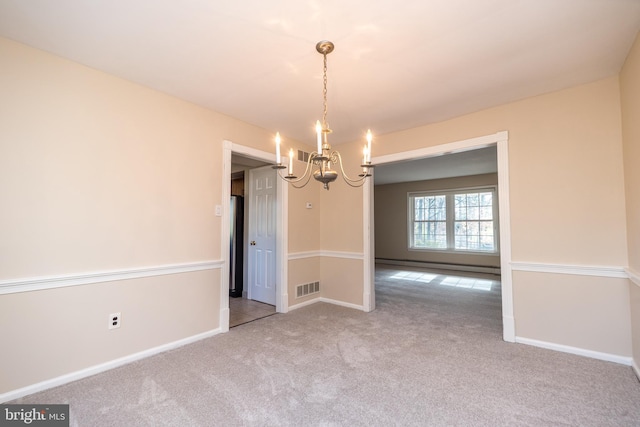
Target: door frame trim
(282, 296)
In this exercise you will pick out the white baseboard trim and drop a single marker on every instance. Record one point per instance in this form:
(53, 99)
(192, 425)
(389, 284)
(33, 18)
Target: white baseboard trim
(342, 303)
(440, 266)
(304, 304)
(327, 300)
(636, 369)
(52, 282)
(623, 360)
(579, 270)
(87, 372)
(331, 254)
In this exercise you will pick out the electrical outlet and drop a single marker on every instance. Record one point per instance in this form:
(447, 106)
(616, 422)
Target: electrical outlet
(114, 320)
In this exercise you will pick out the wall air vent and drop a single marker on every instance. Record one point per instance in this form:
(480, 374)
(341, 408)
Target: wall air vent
(307, 289)
(303, 156)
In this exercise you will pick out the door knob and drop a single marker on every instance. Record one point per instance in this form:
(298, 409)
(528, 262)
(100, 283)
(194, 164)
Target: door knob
(253, 243)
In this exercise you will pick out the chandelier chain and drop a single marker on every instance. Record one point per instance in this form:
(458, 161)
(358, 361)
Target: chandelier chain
(324, 93)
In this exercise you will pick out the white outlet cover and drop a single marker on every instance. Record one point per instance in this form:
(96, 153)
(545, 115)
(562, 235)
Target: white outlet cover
(115, 319)
(218, 210)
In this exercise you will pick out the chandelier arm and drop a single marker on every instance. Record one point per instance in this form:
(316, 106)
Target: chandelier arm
(352, 182)
(293, 183)
(307, 171)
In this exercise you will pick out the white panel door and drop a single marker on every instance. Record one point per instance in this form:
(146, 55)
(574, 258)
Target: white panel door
(262, 235)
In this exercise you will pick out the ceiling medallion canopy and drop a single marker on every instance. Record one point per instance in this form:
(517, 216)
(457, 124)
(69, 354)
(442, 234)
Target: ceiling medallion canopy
(322, 159)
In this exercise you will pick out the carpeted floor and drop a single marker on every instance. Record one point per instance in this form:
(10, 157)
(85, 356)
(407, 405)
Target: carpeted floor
(431, 354)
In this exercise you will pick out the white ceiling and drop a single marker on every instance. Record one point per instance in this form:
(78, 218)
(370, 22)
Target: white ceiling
(472, 162)
(397, 64)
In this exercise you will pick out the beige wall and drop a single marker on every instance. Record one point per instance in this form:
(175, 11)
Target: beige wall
(630, 99)
(99, 175)
(391, 221)
(342, 280)
(60, 331)
(577, 311)
(567, 205)
(570, 141)
(304, 223)
(341, 217)
(342, 233)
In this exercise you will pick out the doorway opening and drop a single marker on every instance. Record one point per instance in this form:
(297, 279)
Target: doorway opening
(499, 141)
(242, 308)
(243, 252)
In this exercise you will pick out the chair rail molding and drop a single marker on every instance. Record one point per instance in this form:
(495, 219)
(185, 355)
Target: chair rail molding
(60, 281)
(577, 270)
(330, 254)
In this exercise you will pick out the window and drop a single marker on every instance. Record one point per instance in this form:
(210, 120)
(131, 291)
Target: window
(457, 220)
(430, 222)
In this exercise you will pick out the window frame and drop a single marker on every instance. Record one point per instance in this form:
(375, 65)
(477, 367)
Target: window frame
(450, 219)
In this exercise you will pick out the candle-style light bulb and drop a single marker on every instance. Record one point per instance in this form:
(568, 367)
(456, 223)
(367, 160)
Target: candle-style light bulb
(291, 161)
(319, 137)
(278, 160)
(364, 159)
(369, 138)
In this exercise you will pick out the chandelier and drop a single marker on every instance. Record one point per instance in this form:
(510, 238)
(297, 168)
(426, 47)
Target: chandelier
(322, 159)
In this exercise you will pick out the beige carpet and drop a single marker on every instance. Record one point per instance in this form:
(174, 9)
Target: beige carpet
(431, 354)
